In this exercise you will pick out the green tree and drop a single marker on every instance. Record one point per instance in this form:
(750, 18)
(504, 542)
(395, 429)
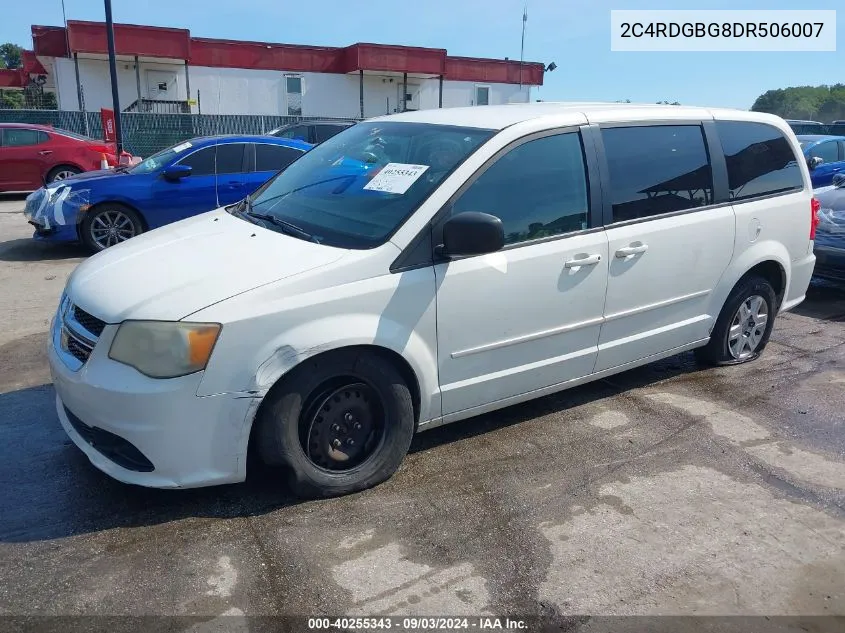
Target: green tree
(11, 99)
(816, 103)
(10, 55)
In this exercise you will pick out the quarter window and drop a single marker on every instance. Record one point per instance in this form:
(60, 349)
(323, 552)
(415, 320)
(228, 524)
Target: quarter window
(274, 157)
(760, 160)
(538, 189)
(657, 169)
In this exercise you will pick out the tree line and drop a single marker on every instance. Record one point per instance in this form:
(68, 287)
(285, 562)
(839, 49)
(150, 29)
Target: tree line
(809, 103)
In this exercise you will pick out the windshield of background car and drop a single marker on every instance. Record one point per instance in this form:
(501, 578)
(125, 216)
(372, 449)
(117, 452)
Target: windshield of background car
(355, 189)
(159, 160)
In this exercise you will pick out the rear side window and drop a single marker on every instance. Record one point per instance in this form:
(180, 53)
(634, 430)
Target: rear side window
(274, 157)
(299, 131)
(760, 160)
(325, 132)
(14, 137)
(230, 158)
(657, 169)
(538, 189)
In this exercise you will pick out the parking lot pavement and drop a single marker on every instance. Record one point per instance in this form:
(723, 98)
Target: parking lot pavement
(669, 489)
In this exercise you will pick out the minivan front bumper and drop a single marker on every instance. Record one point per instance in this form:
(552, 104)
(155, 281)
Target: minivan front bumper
(148, 432)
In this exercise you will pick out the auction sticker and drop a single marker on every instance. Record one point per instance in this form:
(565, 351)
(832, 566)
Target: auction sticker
(396, 178)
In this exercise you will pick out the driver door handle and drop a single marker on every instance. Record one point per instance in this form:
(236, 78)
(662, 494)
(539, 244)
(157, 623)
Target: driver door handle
(45, 152)
(627, 251)
(589, 260)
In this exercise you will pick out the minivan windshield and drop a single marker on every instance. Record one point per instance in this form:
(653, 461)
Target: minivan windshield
(355, 189)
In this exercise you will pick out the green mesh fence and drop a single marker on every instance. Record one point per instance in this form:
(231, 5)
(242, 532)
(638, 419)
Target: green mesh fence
(146, 133)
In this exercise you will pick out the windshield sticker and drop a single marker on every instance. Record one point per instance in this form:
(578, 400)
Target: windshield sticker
(396, 178)
(182, 147)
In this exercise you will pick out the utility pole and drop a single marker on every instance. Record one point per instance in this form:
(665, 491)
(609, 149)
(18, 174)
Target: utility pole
(522, 45)
(118, 133)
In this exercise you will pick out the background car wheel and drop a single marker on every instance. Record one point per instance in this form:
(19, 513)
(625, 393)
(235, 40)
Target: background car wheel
(744, 324)
(109, 224)
(61, 172)
(342, 422)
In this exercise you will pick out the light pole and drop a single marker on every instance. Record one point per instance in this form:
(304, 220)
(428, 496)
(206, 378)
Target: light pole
(118, 134)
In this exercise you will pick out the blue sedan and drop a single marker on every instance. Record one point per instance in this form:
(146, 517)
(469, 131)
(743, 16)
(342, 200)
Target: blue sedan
(825, 156)
(103, 208)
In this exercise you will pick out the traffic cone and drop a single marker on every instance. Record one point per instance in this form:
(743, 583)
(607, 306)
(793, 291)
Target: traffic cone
(104, 164)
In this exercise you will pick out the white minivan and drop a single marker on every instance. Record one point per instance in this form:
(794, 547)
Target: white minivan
(422, 268)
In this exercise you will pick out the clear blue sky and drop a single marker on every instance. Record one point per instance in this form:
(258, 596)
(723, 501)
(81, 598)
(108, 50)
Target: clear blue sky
(575, 34)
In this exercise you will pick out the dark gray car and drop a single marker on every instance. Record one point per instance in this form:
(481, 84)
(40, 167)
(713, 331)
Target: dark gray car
(829, 245)
(311, 131)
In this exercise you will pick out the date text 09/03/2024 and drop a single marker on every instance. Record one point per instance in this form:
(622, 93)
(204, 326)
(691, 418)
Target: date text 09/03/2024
(416, 623)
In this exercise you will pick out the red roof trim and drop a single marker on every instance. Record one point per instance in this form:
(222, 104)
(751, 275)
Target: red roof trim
(13, 78)
(153, 41)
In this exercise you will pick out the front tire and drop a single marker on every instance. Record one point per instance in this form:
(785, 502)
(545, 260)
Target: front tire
(340, 423)
(744, 325)
(109, 224)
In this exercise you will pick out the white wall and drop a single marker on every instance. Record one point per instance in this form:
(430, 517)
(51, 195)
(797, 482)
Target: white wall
(96, 82)
(247, 91)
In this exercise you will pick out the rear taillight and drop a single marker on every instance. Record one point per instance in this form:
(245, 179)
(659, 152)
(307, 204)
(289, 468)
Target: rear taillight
(815, 207)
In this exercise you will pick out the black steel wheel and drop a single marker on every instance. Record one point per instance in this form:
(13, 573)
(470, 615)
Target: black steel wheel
(340, 423)
(343, 425)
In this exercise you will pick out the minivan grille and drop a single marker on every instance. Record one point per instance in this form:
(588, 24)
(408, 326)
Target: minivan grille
(89, 322)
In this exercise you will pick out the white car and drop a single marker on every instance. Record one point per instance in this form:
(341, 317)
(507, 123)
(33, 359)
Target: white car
(423, 268)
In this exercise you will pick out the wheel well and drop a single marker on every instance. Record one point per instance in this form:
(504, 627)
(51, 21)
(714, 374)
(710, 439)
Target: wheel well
(61, 165)
(408, 374)
(95, 207)
(389, 355)
(772, 272)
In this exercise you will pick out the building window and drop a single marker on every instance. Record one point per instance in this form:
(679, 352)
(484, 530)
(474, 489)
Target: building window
(482, 95)
(293, 90)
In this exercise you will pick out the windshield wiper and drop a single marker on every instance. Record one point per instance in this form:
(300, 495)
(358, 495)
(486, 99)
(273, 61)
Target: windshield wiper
(287, 227)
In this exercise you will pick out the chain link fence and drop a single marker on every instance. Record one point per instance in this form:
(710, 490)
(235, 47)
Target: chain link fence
(146, 133)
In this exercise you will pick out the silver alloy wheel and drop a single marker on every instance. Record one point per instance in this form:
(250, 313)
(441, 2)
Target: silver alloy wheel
(747, 327)
(62, 174)
(111, 227)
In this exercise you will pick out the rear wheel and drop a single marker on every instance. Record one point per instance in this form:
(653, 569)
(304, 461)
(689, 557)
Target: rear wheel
(62, 172)
(744, 324)
(340, 423)
(109, 224)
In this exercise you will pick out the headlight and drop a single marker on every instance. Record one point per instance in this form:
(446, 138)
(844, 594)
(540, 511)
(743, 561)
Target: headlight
(164, 349)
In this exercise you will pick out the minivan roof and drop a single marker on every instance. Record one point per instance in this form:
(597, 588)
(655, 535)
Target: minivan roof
(497, 117)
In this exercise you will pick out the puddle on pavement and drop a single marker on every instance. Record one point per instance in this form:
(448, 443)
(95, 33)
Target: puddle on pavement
(804, 466)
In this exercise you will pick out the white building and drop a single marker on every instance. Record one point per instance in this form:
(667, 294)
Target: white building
(167, 70)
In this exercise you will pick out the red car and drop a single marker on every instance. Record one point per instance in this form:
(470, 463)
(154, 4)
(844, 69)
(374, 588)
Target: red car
(34, 155)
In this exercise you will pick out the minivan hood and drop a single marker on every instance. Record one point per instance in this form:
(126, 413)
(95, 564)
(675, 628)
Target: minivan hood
(183, 267)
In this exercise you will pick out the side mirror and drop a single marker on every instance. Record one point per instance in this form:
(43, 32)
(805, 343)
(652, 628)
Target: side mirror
(472, 233)
(814, 161)
(175, 173)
